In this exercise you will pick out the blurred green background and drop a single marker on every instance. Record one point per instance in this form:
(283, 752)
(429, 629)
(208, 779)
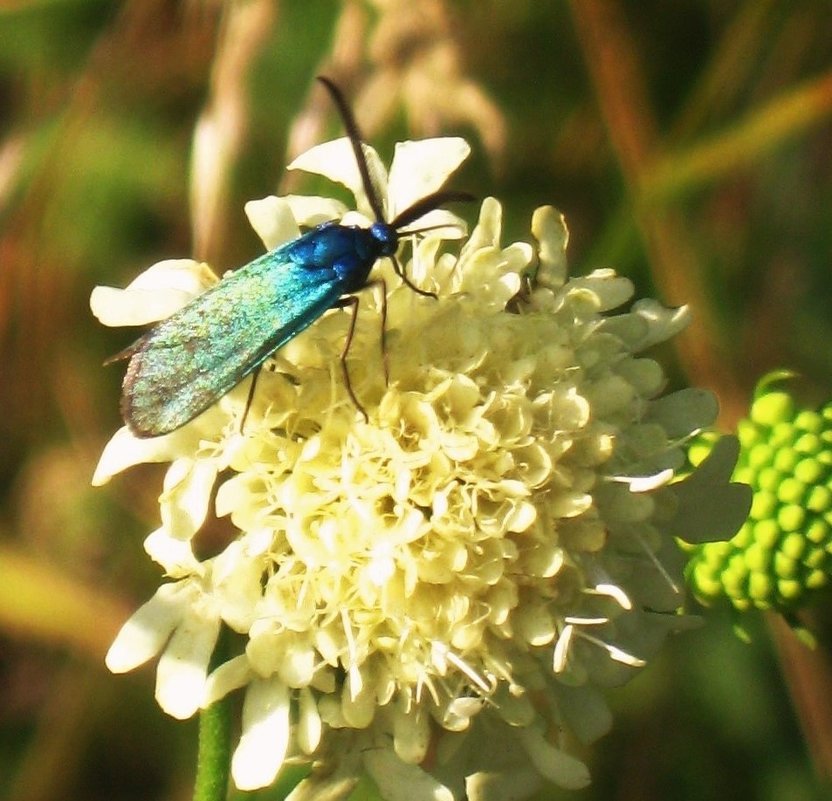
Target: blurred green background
(689, 145)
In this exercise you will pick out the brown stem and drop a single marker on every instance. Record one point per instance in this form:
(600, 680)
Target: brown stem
(621, 90)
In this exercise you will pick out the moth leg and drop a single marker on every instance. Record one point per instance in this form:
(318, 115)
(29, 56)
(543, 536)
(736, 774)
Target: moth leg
(254, 376)
(399, 270)
(350, 300)
(383, 338)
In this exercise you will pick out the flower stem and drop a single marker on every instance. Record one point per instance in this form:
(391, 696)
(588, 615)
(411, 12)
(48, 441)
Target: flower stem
(214, 750)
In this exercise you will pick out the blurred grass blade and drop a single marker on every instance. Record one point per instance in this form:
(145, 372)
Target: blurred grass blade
(761, 132)
(43, 602)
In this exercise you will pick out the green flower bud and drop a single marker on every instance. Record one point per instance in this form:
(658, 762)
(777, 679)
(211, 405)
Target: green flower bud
(783, 552)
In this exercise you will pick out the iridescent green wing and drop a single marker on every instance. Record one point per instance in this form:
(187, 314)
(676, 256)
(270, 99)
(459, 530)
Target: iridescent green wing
(190, 360)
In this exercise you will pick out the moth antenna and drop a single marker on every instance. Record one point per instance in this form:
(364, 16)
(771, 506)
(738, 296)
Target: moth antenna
(354, 134)
(426, 204)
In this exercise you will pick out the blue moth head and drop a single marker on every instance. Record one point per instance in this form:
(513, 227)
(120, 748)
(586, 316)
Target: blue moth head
(386, 237)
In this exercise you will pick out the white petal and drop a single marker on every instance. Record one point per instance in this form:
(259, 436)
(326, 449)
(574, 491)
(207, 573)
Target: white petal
(514, 785)
(422, 167)
(442, 224)
(331, 785)
(312, 210)
(553, 764)
(265, 736)
(411, 734)
(662, 323)
(358, 704)
(362, 219)
(550, 231)
(335, 160)
(297, 666)
(489, 227)
(235, 576)
(174, 554)
(399, 781)
(272, 219)
(229, 676)
(154, 295)
(148, 629)
(309, 726)
(187, 490)
(183, 275)
(612, 290)
(232, 494)
(182, 671)
(460, 711)
(122, 451)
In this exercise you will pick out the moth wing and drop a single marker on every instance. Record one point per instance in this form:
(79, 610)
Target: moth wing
(191, 359)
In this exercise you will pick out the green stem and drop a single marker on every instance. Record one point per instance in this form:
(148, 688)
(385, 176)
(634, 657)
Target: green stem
(213, 761)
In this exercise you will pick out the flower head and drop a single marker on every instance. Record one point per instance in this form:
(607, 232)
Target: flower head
(782, 555)
(434, 595)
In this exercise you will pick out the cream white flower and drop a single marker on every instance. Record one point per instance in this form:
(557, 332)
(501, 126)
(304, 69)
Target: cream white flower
(435, 596)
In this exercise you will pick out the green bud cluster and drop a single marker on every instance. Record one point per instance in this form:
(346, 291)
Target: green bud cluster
(783, 551)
